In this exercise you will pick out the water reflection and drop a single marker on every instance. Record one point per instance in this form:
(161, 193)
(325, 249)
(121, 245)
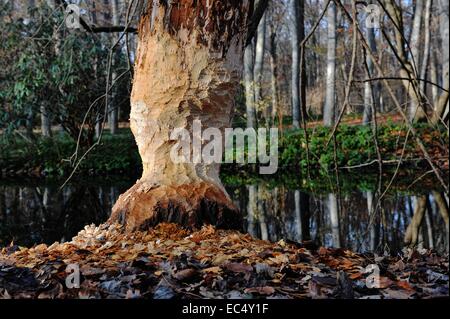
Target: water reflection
(357, 220)
(44, 214)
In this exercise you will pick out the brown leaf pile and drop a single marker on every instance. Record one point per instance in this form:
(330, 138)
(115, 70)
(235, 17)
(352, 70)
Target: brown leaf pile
(169, 262)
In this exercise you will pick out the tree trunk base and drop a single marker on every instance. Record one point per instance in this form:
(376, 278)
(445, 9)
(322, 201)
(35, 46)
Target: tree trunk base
(190, 205)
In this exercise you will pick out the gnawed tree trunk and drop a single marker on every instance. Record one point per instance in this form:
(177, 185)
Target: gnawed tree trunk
(188, 67)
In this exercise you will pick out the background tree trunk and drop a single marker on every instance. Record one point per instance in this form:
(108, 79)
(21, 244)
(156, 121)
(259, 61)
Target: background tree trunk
(303, 79)
(252, 210)
(370, 94)
(274, 74)
(333, 209)
(259, 60)
(412, 232)
(426, 47)
(113, 111)
(249, 86)
(46, 125)
(415, 110)
(442, 106)
(295, 41)
(330, 101)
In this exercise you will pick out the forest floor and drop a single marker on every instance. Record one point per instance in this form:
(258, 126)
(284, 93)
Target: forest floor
(170, 262)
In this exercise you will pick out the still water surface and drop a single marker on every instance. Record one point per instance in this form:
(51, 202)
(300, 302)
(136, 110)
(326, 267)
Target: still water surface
(38, 212)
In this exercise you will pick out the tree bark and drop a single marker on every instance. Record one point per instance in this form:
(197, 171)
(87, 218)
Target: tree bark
(442, 106)
(370, 95)
(433, 78)
(295, 42)
(259, 60)
(409, 63)
(274, 74)
(113, 112)
(426, 46)
(249, 86)
(46, 125)
(188, 67)
(303, 77)
(329, 108)
(262, 213)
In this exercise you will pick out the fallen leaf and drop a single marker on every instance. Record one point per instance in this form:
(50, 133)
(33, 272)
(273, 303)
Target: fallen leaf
(220, 260)
(404, 285)
(384, 282)
(237, 267)
(214, 270)
(355, 275)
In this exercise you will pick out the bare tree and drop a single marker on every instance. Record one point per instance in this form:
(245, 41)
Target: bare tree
(273, 70)
(442, 105)
(249, 86)
(113, 106)
(370, 90)
(295, 41)
(330, 95)
(259, 60)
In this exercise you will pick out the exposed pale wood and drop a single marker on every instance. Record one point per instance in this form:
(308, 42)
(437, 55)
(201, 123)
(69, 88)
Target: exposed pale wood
(188, 67)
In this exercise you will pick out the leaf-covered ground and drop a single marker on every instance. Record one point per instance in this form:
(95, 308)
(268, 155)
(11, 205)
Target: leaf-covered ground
(169, 262)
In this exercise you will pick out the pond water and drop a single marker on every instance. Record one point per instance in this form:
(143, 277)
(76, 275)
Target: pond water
(34, 212)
